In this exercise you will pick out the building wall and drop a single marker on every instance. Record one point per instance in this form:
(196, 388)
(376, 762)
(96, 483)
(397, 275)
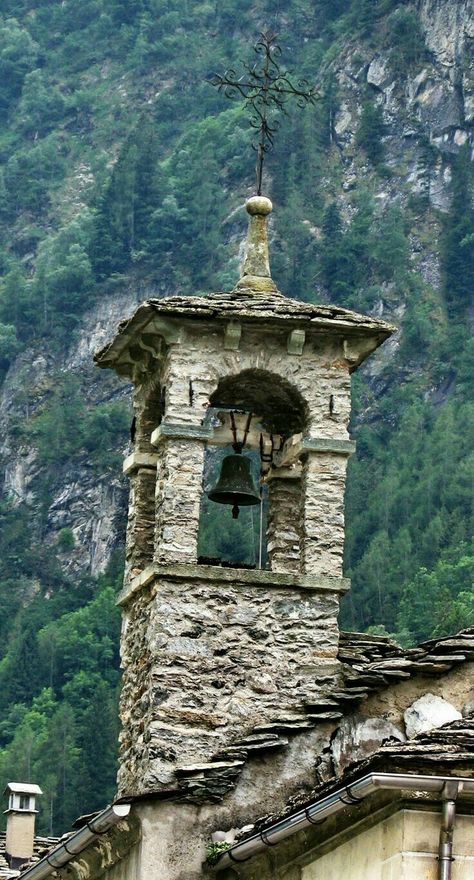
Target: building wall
(207, 661)
(402, 847)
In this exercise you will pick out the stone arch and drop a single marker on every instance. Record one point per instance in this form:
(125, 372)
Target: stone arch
(280, 405)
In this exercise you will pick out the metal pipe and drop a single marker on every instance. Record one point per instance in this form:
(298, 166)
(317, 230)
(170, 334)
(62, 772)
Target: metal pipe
(77, 842)
(338, 800)
(446, 832)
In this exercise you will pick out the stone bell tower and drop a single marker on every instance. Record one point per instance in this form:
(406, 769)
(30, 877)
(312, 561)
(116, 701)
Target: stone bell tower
(218, 660)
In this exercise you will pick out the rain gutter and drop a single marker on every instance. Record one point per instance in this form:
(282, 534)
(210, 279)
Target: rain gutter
(77, 842)
(350, 795)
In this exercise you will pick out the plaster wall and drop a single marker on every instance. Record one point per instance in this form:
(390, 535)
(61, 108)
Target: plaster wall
(20, 834)
(402, 847)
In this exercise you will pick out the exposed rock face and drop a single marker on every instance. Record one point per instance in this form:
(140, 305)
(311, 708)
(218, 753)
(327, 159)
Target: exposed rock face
(432, 105)
(91, 507)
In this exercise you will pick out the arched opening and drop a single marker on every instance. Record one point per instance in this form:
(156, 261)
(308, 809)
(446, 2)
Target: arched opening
(260, 410)
(279, 405)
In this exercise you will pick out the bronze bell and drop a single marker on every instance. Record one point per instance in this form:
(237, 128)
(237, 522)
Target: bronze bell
(235, 485)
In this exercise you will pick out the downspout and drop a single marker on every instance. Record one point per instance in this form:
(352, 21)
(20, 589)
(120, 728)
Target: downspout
(445, 851)
(349, 795)
(76, 843)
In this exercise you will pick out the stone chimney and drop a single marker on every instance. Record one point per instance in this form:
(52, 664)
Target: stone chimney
(21, 815)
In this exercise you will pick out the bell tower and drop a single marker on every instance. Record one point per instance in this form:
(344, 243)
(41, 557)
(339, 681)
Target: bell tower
(218, 659)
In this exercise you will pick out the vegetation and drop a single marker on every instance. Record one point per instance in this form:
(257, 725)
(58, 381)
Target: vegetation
(119, 164)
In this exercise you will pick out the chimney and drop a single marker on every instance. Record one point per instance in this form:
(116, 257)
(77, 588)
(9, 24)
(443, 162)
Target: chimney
(21, 815)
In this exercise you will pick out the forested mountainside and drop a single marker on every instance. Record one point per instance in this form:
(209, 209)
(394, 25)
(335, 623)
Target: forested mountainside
(123, 175)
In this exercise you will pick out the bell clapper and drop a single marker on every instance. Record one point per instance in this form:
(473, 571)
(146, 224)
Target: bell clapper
(235, 511)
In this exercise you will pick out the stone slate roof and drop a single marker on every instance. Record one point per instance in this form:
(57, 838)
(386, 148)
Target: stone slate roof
(369, 664)
(42, 845)
(372, 662)
(446, 751)
(254, 306)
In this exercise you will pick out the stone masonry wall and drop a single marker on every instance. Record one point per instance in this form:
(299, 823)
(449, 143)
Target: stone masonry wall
(196, 365)
(324, 476)
(141, 522)
(283, 531)
(178, 500)
(207, 662)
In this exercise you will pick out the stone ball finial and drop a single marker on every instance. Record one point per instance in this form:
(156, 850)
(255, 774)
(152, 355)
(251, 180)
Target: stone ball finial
(258, 205)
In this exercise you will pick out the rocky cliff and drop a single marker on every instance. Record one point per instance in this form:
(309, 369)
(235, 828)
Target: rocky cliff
(427, 105)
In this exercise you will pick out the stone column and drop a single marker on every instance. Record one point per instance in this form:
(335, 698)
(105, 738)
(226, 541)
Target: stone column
(324, 476)
(178, 491)
(141, 520)
(284, 522)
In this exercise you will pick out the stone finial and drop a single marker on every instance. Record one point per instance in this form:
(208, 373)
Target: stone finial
(255, 273)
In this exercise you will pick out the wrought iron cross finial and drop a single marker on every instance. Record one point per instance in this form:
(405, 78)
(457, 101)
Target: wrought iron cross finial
(264, 87)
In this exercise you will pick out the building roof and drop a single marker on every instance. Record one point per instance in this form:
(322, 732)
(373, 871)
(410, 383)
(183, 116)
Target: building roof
(369, 664)
(422, 765)
(447, 751)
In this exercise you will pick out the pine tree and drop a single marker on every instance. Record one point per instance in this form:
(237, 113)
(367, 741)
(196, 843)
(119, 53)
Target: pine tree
(457, 242)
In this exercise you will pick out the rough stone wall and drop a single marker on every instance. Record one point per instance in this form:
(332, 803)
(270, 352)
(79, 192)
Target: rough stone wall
(283, 531)
(320, 372)
(141, 522)
(178, 500)
(324, 476)
(136, 657)
(208, 662)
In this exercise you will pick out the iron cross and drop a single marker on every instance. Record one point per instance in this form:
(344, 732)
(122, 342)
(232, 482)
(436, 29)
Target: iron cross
(264, 87)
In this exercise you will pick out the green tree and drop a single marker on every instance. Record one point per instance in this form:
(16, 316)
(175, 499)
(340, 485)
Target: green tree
(371, 131)
(457, 242)
(41, 105)
(18, 55)
(405, 38)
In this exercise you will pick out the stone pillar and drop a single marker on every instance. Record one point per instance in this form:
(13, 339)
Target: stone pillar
(141, 520)
(284, 522)
(178, 492)
(324, 475)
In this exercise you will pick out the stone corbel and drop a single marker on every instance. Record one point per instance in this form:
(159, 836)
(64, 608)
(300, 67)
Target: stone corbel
(285, 473)
(165, 328)
(138, 460)
(357, 348)
(296, 341)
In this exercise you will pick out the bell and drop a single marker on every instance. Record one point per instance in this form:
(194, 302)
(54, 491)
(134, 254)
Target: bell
(235, 485)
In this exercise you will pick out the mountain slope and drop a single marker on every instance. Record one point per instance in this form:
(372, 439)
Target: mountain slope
(123, 175)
